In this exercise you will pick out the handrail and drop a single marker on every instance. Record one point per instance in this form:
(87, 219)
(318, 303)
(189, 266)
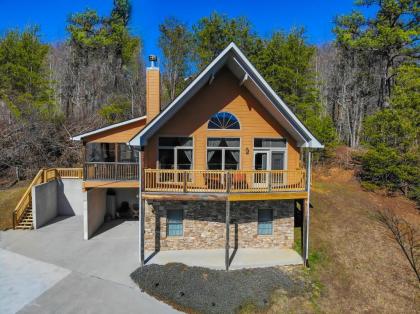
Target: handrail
(111, 171)
(43, 176)
(26, 198)
(229, 181)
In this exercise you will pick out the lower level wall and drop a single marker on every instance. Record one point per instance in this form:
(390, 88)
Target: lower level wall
(70, 197)
(44, 203)
(204, 225)
(94, 211)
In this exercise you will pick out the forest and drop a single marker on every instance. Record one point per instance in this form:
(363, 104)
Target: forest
(360, 90)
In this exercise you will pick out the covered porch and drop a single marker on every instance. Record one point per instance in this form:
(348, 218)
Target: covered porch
(238, 258)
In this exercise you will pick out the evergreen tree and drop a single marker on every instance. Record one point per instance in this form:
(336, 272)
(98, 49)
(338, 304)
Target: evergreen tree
(392, 35)
(286, 62)
(212, 34)
(392, 136)
(24, 84)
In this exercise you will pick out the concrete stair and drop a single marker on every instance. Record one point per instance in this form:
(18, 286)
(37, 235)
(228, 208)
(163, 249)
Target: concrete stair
(26, 222)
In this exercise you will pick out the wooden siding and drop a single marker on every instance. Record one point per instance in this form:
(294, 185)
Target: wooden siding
(120, 134)
(223, 94)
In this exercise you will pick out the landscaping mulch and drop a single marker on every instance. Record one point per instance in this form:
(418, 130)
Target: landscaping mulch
(202, 290)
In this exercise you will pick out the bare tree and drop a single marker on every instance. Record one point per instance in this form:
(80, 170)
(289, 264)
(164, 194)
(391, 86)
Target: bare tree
(405, 234)
(175, 42)
(348, 81)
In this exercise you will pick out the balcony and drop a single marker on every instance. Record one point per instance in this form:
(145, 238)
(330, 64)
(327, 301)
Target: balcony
(110, 171)
(193, 181)
(215, 181)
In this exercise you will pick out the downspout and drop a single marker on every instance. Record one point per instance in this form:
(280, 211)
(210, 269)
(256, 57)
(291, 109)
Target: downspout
(307, 205)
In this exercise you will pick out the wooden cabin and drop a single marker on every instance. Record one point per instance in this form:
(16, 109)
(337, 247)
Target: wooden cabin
(225, 164)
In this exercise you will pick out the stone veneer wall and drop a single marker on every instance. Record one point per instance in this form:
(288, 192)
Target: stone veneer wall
(204, 225)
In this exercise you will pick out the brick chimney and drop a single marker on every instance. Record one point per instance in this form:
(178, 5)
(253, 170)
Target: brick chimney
(152, 89)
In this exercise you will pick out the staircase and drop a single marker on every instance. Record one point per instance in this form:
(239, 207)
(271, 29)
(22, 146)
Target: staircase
(26, 222)
(22, 215)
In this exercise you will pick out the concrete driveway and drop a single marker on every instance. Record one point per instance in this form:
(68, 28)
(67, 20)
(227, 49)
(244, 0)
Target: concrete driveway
(53, 270)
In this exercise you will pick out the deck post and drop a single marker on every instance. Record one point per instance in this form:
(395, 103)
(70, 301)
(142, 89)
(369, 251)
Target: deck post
(306, 213)
(141, 215)
(184, 181)
(227, 234)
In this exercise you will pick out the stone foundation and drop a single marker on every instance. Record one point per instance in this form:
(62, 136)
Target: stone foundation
(204, 225)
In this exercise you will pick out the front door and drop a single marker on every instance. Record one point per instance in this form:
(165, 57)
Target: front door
(264, 161)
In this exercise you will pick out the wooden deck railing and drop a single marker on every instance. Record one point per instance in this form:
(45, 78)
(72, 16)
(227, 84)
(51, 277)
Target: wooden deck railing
(238, 181)
(43, 176)
(110, 171)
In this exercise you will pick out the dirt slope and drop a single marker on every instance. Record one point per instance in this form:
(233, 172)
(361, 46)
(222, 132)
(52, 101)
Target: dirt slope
(362, 269)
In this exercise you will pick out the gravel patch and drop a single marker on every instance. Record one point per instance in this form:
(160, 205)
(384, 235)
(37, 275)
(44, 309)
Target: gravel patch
(198, 289)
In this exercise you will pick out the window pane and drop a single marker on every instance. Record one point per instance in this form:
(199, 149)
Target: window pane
(175, 141)
(265, 221)
(231, 159)
(126, 153)
(175, 222)
(223, 142)
(214, 159)
(184, 157)
(166, 158)
(261, 161)
(93, 152)
(269, 143)
(100, 152)
(277, 161)
(223, 120)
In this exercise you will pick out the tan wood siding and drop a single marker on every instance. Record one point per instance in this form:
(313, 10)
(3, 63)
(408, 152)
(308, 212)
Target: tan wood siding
(120, 134)
(223, 94)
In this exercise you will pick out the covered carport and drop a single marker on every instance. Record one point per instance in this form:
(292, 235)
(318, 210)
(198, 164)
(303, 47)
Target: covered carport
(107, 205)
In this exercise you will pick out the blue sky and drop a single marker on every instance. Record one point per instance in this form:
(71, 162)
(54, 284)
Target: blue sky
(266, 16)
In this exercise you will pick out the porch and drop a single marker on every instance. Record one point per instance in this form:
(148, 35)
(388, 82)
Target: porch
(239, 258)
(194, 181)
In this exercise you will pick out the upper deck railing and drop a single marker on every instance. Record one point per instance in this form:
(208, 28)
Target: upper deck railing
(111, 171)
(218, 181)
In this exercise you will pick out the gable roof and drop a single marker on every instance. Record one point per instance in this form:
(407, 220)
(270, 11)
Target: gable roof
(249, 77)
(107, 128)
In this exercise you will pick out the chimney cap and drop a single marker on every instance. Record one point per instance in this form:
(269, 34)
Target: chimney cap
(153, 60)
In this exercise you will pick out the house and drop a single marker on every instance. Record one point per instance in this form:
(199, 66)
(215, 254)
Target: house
(224, 164)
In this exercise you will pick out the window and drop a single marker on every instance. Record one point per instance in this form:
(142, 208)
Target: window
(269, 142)
(223, 153)
(223, 121)
(175, 152)
(265, 221)
(100, 152)
(269, 154)
(127, 154)
(174, 222)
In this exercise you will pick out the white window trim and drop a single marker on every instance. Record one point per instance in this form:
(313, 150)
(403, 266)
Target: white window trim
(239, 122)
(223, 149)
(175, 150)
(270, 150)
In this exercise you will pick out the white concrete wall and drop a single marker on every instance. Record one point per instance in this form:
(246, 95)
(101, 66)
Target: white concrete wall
(126, 195)
(44, 203)
(70, 197)
(94, 209)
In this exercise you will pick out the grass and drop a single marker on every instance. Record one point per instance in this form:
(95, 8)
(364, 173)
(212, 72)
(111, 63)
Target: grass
(8, 201)
(354, 265)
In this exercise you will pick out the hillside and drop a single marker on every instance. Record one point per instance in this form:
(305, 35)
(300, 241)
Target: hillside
(358, 266)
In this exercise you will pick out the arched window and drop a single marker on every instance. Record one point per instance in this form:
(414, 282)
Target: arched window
(223, 121)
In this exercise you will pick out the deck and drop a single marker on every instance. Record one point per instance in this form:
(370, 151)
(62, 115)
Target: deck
(198, 184)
